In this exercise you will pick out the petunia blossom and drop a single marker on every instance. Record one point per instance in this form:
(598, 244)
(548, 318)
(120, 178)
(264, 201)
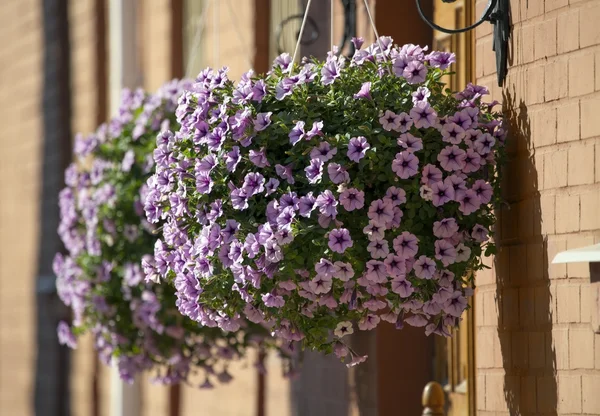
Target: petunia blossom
(452, 158)
(445, 228)
(406, 245)
(390, 121)
(340, 240)
(357, 148)
(423, 115)
(424, 267)
(445, 252)
(405, 165)
(381, 212)
(352, 199)
(442, 193)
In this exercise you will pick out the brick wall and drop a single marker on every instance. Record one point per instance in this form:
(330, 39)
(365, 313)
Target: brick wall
(21, 79)
(536, 350)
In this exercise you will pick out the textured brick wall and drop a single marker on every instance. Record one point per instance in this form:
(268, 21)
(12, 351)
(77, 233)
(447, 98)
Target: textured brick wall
(21, 80)
(536, 350)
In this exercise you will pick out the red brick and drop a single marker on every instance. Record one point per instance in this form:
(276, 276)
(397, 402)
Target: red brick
(557, 71)
(567, 213)
(581, 74)
(590, 108)
(569, 394)
(545, 39)
(581, 347)
(567, 297)
(589, 17)
(568, 121)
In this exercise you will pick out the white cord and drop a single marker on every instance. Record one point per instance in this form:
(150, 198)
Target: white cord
(374, 29)
(300, 34)
(197, 37)
(236, 26)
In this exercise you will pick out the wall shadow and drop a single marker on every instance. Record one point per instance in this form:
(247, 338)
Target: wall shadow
(51, 391)
(523, 286)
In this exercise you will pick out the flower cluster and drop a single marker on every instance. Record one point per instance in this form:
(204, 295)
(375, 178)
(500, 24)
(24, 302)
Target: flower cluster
(109, 242)
(328, 196)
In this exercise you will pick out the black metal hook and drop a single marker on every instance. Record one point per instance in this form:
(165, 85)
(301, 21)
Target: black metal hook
(497, 13)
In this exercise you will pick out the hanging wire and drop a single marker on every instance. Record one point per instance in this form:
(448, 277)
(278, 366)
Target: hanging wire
(300, 34)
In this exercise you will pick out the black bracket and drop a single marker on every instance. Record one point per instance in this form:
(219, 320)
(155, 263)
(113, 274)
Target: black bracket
(498, 14)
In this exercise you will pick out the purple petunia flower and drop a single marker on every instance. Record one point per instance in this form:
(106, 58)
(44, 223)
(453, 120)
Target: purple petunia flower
(423, 115)
(405, 165)
(352, 199)
(424, 267)
(421, 94)
(259, 158)
(445, 252)
(297, 133)
(484, 143)
(445, 228)
(271, 186)
(233, 158)
(483, 190)
(415, 72)
(452, 133)
(402, 287)
(472, 161)
(456, 304)
(327, 204)
(314, 171)
(337, 174)
(306, 204)
(379, 249)
(331, 71)
(406, 245)
(390, 121)
(340, 240)
(204, 183)
(364, 92)
(381, 212)
(65, 335)
(442, 193)
(316, 130)
(253, 184)
(323, 152)
(479, 233)
(441, 60)
(468, 200)
(410, 143)
(285, 172)
(357, 148)
(263, 120)
(452, 158)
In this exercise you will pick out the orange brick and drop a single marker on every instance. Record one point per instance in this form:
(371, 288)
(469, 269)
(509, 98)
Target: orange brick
(543, 302)
(598, 163)
(556, 245)
(581, 164)
(597, 351)
(569, 394)
(567, 298)
(479, 60)
(510, 307)
(480, 392)
(489, 59)
(527, 47)
(567, 213)
(560, 346)
(546, 394)
(568, 31)
(568, 121)
(545, 39)
(590, 108)
(537, 355)
(578, 270)
(535, 85)
(590, 205)
(548, 213)
(555, 4)
(597, 71)
(581, 348)
(544, 128)
(589, 17)
(531, 9)
(586, 303)
(485, 353)
(590, 385)
(581, 74)
(557, 71)
(528, 394)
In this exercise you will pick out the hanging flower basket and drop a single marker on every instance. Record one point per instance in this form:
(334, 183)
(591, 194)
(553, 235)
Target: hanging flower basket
(326, 197)
(133, 319)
